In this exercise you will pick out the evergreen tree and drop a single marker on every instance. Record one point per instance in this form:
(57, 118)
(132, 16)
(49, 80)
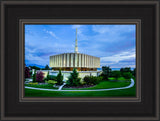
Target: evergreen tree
(106, 72)
(73, 79)
(134, 72)
(47, 67)
(47, 76)
(116, 74)
(127, 75)
(124, 70)
(34, 76)
(35, 67)
(59, 78)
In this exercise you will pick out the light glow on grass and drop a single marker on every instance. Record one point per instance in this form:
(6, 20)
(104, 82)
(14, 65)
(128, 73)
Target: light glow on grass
(103, 85)
(129, 92)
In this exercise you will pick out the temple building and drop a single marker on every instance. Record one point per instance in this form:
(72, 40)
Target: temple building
(86, 65)
(68, 61)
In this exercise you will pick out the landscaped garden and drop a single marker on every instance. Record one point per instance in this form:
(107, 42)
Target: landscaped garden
(106, 80)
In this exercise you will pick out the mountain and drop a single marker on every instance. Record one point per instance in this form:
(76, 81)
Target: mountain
(40, 66)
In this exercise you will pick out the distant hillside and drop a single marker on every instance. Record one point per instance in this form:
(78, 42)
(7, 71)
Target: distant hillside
(40, 66)
(113, 69)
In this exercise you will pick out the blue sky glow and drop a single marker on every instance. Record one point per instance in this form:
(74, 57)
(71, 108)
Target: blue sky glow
(114, 44)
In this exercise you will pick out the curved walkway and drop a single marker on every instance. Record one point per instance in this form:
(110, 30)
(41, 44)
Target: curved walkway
(129, 86)
(60, 88)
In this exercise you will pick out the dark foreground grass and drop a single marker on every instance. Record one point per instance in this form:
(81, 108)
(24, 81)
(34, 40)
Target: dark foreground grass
(45, 86)
(131, 92)
(104, 85)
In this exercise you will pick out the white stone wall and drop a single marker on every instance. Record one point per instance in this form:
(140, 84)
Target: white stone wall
(66, 74)
(82, 60)
(94, 74)
(74, 60)
(68, 59)
(80, 55)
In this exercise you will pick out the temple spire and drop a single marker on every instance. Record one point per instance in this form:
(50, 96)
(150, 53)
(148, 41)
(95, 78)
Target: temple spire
(76, 46)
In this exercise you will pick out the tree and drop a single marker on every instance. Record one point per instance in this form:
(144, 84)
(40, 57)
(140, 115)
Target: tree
(127, 75)
(92, 80)
(134, 72)
(106, 72)
(47, 76)
(124, 70)
(39, 76)
(27, 73)
(34, 76)
(59, 78)
(116, 74)
(47, 67)
(87, 79)
(73, 79)
(35, 67)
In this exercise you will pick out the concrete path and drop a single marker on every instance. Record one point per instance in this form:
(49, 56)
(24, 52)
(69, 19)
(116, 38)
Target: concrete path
(129, 86)
(60, 88)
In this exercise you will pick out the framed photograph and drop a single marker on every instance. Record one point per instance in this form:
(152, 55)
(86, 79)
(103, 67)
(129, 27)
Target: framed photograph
(76, 73)
(80, 60)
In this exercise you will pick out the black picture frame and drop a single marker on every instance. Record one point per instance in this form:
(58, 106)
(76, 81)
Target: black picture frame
(23, 22)
(14, 108)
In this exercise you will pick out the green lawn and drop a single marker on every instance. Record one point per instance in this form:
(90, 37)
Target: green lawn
(131, 92)
(45, 86)
(120, 78)
(104, 85)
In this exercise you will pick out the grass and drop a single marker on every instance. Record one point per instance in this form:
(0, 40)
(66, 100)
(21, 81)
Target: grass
(113, 93)
(45, 86)
(104, 85)
(130, 92)
(120, 78)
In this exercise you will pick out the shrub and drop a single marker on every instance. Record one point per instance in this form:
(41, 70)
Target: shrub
(127, 75)
(59, 78)
(86, 79)
(52, 77)
(26, 80)
(73, 79)
(99, 79)
(92, 80)
(33, 83)
(116, 74)
(51, 82)
(106, 72)
(45, 81)
(124, 70)
(39, 76)
(27, 73)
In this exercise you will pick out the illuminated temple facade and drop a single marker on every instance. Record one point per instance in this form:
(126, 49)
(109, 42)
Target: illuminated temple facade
(68, 61)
